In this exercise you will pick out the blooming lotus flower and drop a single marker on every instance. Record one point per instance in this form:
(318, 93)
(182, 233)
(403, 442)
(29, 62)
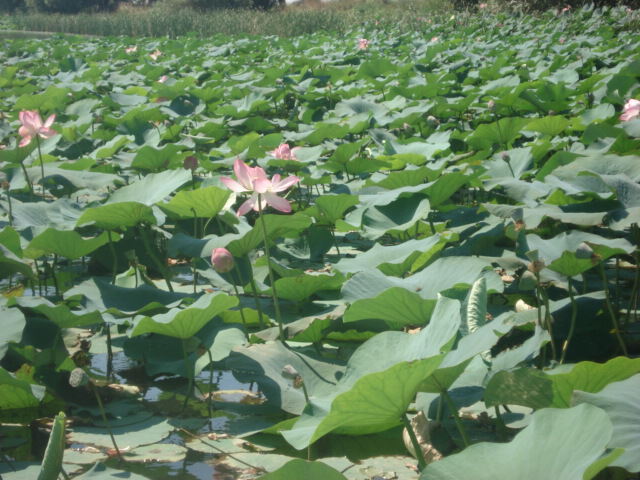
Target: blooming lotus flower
(32, 125)
(163, 78)
(155, 55)
(222, 260)
(283, 152)
(631, 110)
(131, 49)
(254, 180)
(483, 5)
(363, 43)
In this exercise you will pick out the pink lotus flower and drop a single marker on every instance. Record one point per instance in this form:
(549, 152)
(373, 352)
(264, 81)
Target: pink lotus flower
(155, 55)
(131, 49)
(32, 125)
(565, 9)
(631, 110)
(263, 191)
(222, 260)
(283, 152)
(163, 79)
(363, 43)
(483, 5)
(434, 39)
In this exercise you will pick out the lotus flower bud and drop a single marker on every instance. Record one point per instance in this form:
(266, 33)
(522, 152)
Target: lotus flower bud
(222, 260)
(491, 104)
(505, 156)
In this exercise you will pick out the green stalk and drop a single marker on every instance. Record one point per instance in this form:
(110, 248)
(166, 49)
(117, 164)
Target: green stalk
(572, 327)
(114, 256)
(633, 300)
(547, 318)
(106, 422)
(265, 238)
(41, 164)
(154, 258)
(614, 320)
(10, 207)
(257, 300)
(109, 350)
(210, 399)
(26, 177)
(54, 265)
(456, 418)
(189, 373)
(414, 441)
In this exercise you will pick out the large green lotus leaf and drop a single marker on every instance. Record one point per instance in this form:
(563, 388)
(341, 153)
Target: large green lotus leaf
(78, 179)
(153, 188)
(555, 389)
(532, 217)
(277, 226)
(59, 314)
(397, 307)
(185, 323)
(302, 287)
(565, 444)
(561, 253)
(99, 295)
(376, 67)
(551, 126)
(397, 215)
(61, 214)
(332, 207)
(620, 401)
(501, 133)
(154, 160)
(264, 364)
(298, 468)
(201, 203)
(15, 393)
(10, 239)
(12, 322)
(10, 264)
(402, 256)
(132, 432)
(116, 216)
(356, 105)
(442, 274)
(66, 243)
(609, 164)
(101, 472)
(590, 377)
(377, 388)
(324, 131)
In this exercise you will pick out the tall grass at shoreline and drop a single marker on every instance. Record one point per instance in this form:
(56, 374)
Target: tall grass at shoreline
(173, 18)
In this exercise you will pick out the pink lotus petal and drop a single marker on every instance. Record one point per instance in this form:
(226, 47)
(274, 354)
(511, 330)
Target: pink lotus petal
(248, 205)
(261, 185)
(232, 185)
(284, 184)
(277, 202)
(47, 132)
(631, 110)
(244, 174)
(26, 140)
(50, 121)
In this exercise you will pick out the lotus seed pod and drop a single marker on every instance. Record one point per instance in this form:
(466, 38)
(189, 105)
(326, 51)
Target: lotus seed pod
(190, 163)
(289, 371)
(527, 281)
(78, 378)
(536, 266)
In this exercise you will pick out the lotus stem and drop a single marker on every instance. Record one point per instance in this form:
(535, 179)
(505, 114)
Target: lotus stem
(189, 374)
(107, 327)
(548, 321)
(257, 300)
(414, 441)
(41, 164)
(54, 266)
(572, 327)
(104, 419)
(114, 258)
(614, 320)
(633, 300)
(154, 258)
(265, 237)
(210, 399)
(456, 418)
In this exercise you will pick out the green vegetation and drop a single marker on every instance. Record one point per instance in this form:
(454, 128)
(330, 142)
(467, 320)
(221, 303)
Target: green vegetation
(332, 255)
